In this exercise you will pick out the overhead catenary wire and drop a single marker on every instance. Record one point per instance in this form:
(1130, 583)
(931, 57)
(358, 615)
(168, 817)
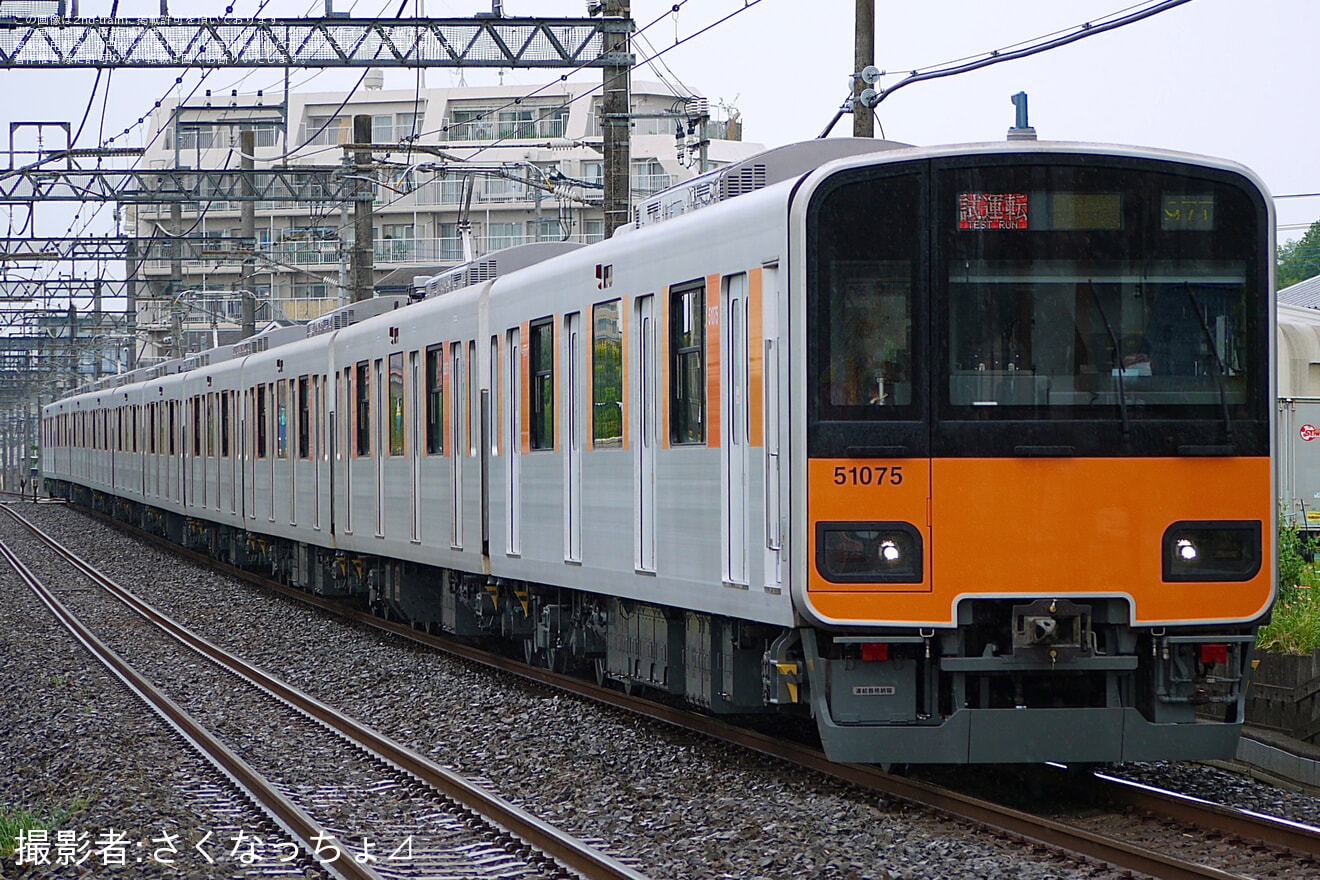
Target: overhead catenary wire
(1013, 52)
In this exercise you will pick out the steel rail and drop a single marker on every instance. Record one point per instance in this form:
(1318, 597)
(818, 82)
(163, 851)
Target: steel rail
(545, 838)
(1297, 837)
(296, 823)
(995, 817)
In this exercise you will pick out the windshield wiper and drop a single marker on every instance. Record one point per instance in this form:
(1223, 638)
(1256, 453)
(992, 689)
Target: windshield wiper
(1220, 372)
(1116, 361)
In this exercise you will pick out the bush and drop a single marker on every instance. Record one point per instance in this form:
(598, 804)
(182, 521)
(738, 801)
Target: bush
(1294, 551)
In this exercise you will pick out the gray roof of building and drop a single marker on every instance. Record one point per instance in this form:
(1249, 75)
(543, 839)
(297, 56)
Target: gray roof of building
(1303, 293)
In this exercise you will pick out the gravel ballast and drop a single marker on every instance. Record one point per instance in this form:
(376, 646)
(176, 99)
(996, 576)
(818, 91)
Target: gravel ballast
(677, 804)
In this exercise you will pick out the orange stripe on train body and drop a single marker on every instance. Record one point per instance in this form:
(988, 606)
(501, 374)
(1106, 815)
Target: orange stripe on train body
(1038, 527)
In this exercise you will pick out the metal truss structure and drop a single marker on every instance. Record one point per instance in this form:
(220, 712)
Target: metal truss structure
(45, 290)
(309, 43)
(32, 250)
(305, 183)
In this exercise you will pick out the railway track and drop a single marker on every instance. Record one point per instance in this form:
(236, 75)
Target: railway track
(510, 833)
(1292, 842)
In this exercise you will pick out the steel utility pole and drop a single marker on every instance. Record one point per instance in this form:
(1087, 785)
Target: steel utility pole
(363, 253)
(616, 107)
(864, 57)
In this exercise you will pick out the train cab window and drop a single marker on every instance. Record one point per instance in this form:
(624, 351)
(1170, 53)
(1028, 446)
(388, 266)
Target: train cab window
(687, 364)
(261, 421)
(362, 391)
(396, 405)
(304, 418)
(435, 400)
(606, 376)
(541, 351)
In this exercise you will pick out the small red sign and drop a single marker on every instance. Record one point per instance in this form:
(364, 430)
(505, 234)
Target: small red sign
(992, 210)
(1309, 432)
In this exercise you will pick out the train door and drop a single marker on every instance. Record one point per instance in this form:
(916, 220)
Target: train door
(334, 449)
(575, 412)
(513, 443)
(272, 419)
(291, 414)
(456, 398)
(734, 451)
(249, 453)
(414, 445)
(348, 425)
(647, 435)
(174, 464)
(378, 443)
(318, 443)
(769, 300)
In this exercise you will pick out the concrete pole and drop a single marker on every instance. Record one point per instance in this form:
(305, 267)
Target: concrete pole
(130, 300)
(97, 333)
(176, 281)
(247, 145)
(864, 56)
(616, 106)
(364, 250)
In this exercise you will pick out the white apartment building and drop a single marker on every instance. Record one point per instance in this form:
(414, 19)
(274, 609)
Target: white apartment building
(510, 134)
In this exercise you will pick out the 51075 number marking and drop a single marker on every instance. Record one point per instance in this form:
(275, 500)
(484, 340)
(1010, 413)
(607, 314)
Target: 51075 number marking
(865, 475)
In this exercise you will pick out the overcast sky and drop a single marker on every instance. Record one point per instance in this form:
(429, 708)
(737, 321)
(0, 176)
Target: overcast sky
(1226, 78)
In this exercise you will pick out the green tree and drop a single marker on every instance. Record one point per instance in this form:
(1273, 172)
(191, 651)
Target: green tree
(1298, 260)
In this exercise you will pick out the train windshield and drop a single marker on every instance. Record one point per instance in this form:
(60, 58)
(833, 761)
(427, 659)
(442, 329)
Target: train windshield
(1080, 304)
(1068, 289)
(1085, 333)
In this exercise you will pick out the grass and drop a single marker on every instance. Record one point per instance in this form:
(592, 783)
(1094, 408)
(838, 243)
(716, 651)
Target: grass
(14, 820)
(1295, 628)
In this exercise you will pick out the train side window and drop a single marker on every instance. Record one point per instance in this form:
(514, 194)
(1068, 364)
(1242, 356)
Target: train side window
(687, 364)
(174, 427)
(396, 404)
(304, 419)
(261, 421)
(493, 416)
(541, 350)
(435, 400)
(281, 419)
(212, 445)
(362, 388)
(474, 400)
(606, 376)
(196, 423)
(224, 424)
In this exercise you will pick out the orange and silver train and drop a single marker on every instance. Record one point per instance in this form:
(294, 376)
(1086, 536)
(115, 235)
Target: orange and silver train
(963, 452)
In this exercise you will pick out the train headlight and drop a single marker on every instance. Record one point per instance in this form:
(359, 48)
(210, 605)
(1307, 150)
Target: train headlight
(869, 552)
(1212, 551)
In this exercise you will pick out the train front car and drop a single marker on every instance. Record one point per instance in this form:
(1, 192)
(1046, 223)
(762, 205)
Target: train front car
(1039, 506)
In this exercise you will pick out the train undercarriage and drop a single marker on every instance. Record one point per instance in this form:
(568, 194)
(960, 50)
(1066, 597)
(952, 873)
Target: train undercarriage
(1016, 681)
